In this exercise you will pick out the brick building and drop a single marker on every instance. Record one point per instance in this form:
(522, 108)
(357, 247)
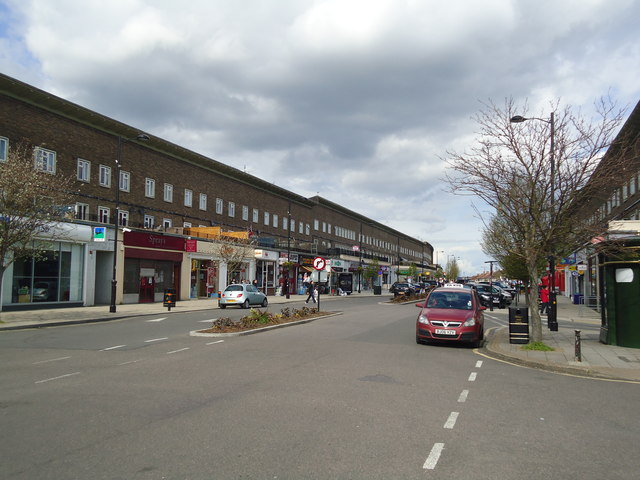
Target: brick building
(159, 189)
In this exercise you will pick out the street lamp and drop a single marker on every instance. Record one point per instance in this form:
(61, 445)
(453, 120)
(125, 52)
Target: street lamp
(360, 252)
(552, 318)
(491, 262)
(286, 278)
(116, 217)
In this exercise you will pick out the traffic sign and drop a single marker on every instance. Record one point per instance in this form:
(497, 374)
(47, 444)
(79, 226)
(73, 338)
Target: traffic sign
(319, 263)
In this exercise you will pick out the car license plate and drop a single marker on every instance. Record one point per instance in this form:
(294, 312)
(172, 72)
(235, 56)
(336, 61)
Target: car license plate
(231, 300)
(445, 332)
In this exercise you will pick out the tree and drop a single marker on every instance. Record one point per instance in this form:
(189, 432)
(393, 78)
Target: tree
(532, 190)
(235, 252)
(31, 201)
(453, 269)
(371, 271)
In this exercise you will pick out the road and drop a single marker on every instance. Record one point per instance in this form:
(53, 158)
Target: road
(350, 396)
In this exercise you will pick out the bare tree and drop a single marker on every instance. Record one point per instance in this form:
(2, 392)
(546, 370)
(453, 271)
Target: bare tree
(531, 189)
(234, 251)
(30, 200)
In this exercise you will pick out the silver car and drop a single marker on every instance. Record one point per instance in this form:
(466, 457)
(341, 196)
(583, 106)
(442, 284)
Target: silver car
(242, 295)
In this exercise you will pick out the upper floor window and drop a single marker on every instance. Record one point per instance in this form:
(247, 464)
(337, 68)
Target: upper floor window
(275, 221)
(316, 224)
(300, 228)
(105, 176)
(255, 215)
(219, 206)
(4, 149)
(166, 223)
(231, 209)
(203, 201)
(123, 218)
(125, 181)
(186, 224)
(103, 214)
(266, 218)
(148, 221)
(308, 229)
(82, 211)
(45, 160)
(188, 197)
(285, 223)
(149, 187)
(168, 192)
(293, 225)
(84, 170)
(245, 213)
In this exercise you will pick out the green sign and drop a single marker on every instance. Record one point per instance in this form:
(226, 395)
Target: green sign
(99, 234)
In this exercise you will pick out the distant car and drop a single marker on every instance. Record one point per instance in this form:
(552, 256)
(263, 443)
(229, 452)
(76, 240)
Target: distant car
(43, 291)
(491, 294)
(399, 288)
(243, 295)
(451, 314)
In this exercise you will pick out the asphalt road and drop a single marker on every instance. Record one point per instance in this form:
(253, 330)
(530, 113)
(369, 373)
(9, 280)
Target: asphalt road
(350, 396)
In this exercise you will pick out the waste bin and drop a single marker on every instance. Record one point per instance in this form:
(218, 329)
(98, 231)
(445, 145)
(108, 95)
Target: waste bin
(578, 298)
(519, 325)
(377, 289)
(169, 297)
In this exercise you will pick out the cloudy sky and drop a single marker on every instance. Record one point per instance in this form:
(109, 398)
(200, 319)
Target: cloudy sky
(355, 100)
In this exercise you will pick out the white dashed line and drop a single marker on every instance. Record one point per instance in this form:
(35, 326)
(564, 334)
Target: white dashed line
(52, 360)
(179, 350)
(479, 364)
(213, 343)
(127, 363)
(156, 320)
(472, 377)
(156, 339)
(112, 348)
(434, 456)
(451, 421)
(463, 396)
(58, 378)
(208, 321)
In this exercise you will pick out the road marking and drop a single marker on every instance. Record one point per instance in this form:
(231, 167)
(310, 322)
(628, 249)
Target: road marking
(156, 339)
(208, 321)
(213, 343)
(112, 348)
(463, 396)
(58, 378)
(156, 320)
(127, 363)
(52, 360)
(434, 456)
(179, 350)
(479, 364)
(451, 421)
(472, 377)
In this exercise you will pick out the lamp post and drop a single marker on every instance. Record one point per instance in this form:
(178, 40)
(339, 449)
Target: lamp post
(116, 217)
(552, 318)
(491, 262)
(360, 269)
(286, 278)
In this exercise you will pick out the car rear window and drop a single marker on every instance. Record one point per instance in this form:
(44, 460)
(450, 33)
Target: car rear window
(233, 288)
(453, 300)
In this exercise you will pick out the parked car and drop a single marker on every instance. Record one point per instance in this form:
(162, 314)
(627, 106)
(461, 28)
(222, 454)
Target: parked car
(399, 288)
(507, 288)
(242, 295)
(491, 293)
(451, 314)
(44, 292)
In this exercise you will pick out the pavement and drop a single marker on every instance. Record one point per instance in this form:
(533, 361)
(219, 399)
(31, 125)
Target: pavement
(597, 360)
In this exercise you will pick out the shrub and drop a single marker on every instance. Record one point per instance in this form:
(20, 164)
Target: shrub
(223, 322)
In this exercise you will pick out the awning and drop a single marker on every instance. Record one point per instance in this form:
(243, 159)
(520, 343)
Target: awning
(306, 269)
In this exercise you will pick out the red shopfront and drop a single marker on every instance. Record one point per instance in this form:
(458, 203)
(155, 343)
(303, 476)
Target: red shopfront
(152, 265)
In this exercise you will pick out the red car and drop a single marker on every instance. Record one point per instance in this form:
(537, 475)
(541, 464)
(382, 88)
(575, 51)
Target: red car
(451, 314)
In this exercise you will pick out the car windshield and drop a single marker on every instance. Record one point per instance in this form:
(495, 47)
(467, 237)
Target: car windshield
(233, 288)
(453, 300)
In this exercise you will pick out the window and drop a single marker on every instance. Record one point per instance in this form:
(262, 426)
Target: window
(219, 206)
(4, 149)
(166, 223)
(105, 176)
(266, 218)
(324, 227)
(45, 160)
(285, 223)
(275, 221)
(255, 215)
(186, 224)
(231, 209)
(148, 221)
(203, 201)
(103, 214)
(84, 170)
(293, 225)
(125, 181)
(82, 211)
(316, 224)
(308, 229)
(329, 228)
(188, 197)
(123, 218)
(301, 228)
(168, 192)
(245, 213)
(149, 187)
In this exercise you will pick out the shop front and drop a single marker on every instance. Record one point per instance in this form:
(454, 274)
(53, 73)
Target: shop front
(152, 265)
(267, 270)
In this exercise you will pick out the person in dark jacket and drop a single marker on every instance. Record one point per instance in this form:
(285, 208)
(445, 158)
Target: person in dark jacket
(311, 292)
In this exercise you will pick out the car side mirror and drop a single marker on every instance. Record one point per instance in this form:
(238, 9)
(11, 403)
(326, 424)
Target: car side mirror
(420, 305)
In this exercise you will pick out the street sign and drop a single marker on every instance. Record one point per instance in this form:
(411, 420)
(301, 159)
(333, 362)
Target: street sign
(319, 263)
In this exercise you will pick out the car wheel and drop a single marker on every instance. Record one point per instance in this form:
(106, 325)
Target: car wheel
(222, 306)
(245, 305)
(265, 303)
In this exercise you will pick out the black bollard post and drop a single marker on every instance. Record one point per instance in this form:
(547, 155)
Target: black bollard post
(578, 352)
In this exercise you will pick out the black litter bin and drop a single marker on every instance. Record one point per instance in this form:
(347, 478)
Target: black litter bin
(377, 289)
(519, 325)
(169, 297)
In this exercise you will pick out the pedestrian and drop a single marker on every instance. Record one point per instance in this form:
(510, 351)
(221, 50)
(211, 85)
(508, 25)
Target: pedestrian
(311, 291)
(544, 300)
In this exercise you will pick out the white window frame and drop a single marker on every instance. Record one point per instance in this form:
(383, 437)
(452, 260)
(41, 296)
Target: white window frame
(256, 215)
(104, 214)
(167, 223)
(83, 173)
(316, 224)
(231, 209)
(285, 223)
(300, 228)
(202, 204)
(266, 218)
(168, 193)
(124, 182)
(245, 213)
(149, 221)
(45, 160)
(104, 176)
(123, 218)
(149, 188)
(219, 206)
(307, 229)
(275, 219)
(186, 224)
(82, 211)
(188, 197)
(4, 149)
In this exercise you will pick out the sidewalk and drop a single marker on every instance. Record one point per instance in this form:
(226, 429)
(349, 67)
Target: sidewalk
(74, 315)
(598, 360)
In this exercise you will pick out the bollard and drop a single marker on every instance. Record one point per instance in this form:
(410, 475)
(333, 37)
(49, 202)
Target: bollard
(578, 347)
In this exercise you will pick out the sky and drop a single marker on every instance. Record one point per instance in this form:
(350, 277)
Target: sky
(357, 101)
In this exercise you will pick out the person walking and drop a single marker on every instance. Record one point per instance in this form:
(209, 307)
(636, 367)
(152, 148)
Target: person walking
(544, 300)
(311, 292)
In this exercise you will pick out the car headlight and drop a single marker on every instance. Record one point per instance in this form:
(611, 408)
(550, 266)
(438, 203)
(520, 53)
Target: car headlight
(470, 322)
(423, 319)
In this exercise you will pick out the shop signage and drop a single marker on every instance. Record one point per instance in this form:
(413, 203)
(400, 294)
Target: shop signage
(153, 240)
(191, 245)
(265, 255)
(99, 234)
